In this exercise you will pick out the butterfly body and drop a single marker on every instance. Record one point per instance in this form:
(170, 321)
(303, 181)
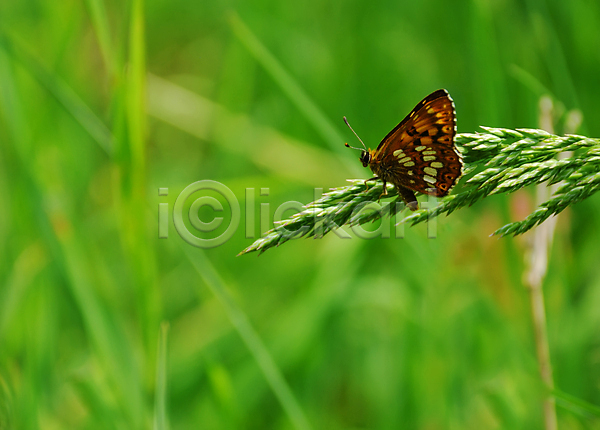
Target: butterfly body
(419, 153)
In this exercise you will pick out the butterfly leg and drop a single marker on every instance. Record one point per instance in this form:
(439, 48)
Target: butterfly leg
(374, 178)
(409, 197)
(384, 193)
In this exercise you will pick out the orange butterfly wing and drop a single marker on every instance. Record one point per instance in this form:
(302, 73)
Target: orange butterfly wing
(419, 153)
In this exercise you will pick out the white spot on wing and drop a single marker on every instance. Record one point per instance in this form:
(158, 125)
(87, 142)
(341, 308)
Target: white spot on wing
(430, 171)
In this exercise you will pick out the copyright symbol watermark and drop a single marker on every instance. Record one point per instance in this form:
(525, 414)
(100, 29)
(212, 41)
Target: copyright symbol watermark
(207, 200)
(180, 215)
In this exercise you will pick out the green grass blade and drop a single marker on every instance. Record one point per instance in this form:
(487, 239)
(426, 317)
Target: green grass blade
(271, 150)
(161, 421)
(101, 27)
(109, 341)
(60, 235)
(553, 53)
(10, 103)
(530, 82)
(136, 84)
(292, 89)
(575, 404)
(64, 94)
(256, 346)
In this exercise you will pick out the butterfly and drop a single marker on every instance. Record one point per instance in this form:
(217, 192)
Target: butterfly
(419, 153)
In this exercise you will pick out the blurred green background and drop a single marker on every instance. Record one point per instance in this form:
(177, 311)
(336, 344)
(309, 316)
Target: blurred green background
(104, 102)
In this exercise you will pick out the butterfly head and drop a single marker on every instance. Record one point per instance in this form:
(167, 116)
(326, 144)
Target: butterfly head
(365, 158)
(365, 155)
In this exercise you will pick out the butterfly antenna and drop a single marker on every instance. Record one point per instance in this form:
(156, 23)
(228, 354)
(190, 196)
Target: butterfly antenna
(350, 127)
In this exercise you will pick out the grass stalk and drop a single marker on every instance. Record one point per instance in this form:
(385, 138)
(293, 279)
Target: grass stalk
(534, 278)
(537, 263)
(496, 161)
